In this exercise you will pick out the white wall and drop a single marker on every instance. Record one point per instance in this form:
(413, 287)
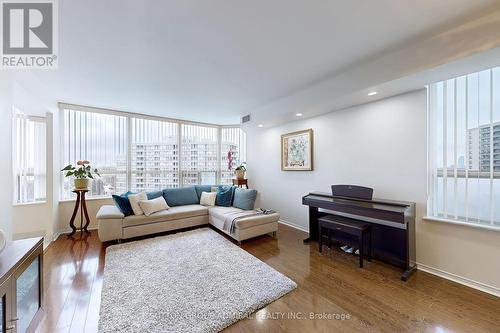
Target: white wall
(5, 152)
(380, 145)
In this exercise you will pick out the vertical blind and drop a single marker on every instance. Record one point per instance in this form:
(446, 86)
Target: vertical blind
(29, 157)
(199, 146)
(233, 144)
(147, 153)
(464, 148)
(101, 139)
(154, 155)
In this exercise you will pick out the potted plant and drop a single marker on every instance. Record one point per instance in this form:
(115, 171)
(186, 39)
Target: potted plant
(240, 171)
(82, 173)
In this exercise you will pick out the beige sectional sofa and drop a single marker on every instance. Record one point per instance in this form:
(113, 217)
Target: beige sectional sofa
(114, 225)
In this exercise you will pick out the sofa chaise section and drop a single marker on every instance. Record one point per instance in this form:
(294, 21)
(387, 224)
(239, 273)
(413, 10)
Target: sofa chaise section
(245, 227)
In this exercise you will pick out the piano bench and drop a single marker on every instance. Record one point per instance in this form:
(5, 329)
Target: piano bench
(358, 229)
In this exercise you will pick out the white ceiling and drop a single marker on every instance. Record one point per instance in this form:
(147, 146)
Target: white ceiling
(213, 61)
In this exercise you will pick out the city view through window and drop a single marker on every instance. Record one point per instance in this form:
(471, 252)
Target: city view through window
(136, 154)
(464, 148)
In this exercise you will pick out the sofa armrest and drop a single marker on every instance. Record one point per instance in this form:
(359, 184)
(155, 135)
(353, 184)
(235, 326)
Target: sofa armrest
(109, 212)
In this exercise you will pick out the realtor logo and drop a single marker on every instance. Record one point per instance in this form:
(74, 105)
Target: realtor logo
(29, 34)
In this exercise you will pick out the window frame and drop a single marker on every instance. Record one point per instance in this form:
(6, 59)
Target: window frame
(129, 116)
(39, 119)
(434, 172)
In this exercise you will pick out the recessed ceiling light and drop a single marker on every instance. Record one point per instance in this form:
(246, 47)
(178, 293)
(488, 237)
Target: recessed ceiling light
(299, 114)
(260, 125)
(372, 93)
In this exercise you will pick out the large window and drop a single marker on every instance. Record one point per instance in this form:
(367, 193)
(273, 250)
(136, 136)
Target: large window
(136, 153)
(464, 148)
(101, 139)
(29, 158)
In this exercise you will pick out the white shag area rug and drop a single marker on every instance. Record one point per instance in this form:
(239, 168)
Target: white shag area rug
(195, 281)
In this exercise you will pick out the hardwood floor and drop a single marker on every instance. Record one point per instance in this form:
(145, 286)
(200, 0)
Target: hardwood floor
(372, 299)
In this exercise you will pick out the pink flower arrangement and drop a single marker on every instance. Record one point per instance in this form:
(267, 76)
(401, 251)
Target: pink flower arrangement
(84, 170)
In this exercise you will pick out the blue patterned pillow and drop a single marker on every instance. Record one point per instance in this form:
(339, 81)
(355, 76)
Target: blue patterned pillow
(123, 203)
(224, 196)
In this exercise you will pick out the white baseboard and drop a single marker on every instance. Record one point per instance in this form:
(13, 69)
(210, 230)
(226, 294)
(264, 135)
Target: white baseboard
(460, 279)
(68, 230)
(293, 225)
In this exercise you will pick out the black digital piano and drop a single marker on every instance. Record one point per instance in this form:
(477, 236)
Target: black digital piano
(392, 222)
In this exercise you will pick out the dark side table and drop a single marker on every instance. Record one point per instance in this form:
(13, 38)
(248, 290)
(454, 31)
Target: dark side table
(82, 205)
(240, 182)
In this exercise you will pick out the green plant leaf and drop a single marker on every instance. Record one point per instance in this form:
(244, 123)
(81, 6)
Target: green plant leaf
(69, 173)
(67, 167)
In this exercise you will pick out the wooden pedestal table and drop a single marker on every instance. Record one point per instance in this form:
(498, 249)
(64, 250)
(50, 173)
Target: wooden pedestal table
(240, 182)
(82, 205)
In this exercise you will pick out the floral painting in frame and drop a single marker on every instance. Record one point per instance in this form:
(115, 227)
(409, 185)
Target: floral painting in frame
(297, 151)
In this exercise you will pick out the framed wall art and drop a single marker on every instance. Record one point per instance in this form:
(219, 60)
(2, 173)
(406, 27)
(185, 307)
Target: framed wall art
(297, 151)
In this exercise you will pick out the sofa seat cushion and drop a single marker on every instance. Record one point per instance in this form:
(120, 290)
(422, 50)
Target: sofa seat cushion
(252, 221)
(173, 213)
(219, 213)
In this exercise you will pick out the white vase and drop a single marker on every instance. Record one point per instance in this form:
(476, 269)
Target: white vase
(3, 240)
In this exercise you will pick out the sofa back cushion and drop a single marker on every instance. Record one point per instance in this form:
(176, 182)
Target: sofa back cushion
(224, 196)
(123, 203)
(244, 198)
(203, 188)
(181, 196)
(154, 194)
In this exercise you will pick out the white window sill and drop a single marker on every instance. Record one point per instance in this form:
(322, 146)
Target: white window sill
(86, 199)
(462, 223)
(32, 203)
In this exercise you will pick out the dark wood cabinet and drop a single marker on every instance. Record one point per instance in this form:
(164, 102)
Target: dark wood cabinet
(21, 273)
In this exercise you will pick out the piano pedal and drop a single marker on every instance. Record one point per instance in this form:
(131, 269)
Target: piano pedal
(347, 249)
